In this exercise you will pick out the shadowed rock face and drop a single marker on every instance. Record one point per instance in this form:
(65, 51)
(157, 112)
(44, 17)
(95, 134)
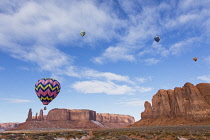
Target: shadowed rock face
(204, 89)
(189, 102)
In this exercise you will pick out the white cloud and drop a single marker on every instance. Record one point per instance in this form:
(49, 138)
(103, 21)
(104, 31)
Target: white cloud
(72, 71)
(143, 80)
(151, 61)
(188, 18)
(133, 102)
(189, 5)
(144, 52)
(159, 49)
(33, 31)
(182, 46)
(87, 73)
(183, 19)
(102, 87)
(205, 78)
(158, 20)
(107, 87)
(155, 49)
(165, 52)
(139, 29)
(143, 89)
(115, 54)
(52, 23)
(105, 75)
(15, 100)
(47, 58)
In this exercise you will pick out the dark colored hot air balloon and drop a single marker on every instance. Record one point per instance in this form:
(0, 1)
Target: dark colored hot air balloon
(195, 58)
(82, 33)
(157, 38)
(47, 89)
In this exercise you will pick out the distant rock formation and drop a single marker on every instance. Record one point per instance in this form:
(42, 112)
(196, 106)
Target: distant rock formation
(71, 114)
(114, 118)
(75, 119)
(6, 126)
(187, 105)
(29, 115)
(41, 116)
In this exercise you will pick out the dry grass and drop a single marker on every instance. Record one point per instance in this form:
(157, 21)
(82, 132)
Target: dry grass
(135, 133)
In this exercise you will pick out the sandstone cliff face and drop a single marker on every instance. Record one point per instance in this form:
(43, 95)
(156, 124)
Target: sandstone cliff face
(204, 89)
(58, 114)
(114, 118)
(189, 102)
(82, 114)
(71, 114)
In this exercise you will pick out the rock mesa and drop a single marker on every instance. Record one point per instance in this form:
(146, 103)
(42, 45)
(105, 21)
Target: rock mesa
(75, 119)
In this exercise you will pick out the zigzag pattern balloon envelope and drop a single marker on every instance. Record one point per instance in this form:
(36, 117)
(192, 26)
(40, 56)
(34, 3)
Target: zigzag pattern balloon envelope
(47, 89)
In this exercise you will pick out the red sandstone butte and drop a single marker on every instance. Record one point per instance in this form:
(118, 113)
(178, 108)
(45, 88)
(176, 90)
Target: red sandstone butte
(184, 105)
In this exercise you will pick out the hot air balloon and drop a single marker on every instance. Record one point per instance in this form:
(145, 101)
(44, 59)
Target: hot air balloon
(82, 33)
(47, 89)
(157, 38)
(195, 58)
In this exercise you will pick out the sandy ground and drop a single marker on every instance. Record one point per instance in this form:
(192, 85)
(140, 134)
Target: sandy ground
(44, 130)
(133, 133)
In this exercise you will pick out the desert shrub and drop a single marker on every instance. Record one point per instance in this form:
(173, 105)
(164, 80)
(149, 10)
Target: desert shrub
(94, 138)
(185, 134)
(21, 139)
(150, 137)
(123, 137)
(143, 136)
(192, 139)
(207, 134)
(157, 133)
(49, 137)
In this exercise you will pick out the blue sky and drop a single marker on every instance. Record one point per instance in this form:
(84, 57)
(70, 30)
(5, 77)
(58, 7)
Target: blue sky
(115, 67)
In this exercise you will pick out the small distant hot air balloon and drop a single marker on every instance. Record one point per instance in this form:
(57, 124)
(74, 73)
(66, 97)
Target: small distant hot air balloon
(157, 38)
(195, 58)
(82, 33)
(47, 89)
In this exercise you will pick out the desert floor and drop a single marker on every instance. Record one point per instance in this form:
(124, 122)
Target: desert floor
(134, 133)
